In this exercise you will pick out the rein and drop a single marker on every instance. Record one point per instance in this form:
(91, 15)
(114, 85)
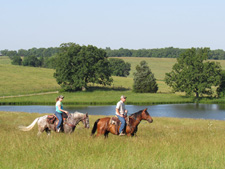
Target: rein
(72, 125)
(69, 124)
(134, 118)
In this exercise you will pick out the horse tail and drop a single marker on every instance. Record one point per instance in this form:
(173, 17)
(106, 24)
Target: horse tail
(28, 128)
(95, 127)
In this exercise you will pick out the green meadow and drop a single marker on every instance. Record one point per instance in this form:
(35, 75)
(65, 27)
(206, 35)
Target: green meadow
(164, 144)
(19, 85)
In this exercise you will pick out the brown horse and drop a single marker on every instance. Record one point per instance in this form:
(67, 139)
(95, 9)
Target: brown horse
(105, 125)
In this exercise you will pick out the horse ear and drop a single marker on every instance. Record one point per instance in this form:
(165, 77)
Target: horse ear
(145, 109)
(86, 114)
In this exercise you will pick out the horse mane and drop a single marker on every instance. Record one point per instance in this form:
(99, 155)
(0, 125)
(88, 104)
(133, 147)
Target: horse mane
(77, 114)
(137, 113)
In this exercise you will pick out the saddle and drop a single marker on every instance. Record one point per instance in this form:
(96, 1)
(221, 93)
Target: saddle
(51, 119)
(115, 120)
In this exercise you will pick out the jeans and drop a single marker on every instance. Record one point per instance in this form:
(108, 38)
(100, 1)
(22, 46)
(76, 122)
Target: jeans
(123, 122)
(59, 116)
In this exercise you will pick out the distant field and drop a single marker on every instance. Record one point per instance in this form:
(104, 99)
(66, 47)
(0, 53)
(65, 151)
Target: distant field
(5, 60)
(16, 80)
(158, 66)
(20, 80)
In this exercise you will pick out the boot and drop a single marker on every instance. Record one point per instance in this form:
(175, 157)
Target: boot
(122, 134)
(58, 130)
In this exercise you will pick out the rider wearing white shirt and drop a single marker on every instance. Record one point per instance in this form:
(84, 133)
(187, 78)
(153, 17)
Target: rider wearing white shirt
(121, 113)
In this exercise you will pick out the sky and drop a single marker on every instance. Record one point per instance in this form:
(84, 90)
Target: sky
(129, 24)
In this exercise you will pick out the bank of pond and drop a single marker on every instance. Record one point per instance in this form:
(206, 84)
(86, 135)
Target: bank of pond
(187, 110)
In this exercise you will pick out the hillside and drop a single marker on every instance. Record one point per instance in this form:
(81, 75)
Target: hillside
(20, 80)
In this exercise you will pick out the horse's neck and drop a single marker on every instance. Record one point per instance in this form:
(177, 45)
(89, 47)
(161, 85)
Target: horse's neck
(74, 119)
(136, 120)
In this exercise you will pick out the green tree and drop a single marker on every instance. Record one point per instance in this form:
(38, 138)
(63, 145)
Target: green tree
(193, 74)
(221, 89)
(16, 60)
(31, 61)
(22, 52)
(119, 67)
(144, 80)
(76, 66)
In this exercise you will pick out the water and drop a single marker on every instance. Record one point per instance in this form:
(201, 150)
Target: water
(198, 111)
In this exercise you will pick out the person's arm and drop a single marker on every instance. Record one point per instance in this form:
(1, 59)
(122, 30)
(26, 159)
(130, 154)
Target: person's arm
(126, 111)
(117, 110)
(59, 107)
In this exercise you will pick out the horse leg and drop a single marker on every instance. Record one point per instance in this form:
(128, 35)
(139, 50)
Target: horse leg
(42, 126)
(128, 130)
(48, 131)
(113, 129)
(106, 134)
(135, 131)
(100, 132)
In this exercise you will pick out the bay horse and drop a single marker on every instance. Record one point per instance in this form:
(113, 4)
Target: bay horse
(68, 126)
(105, 125)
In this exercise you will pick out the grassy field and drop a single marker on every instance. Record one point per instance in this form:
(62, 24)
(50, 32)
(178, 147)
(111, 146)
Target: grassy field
(167, 143)
(20, 80)
(16, 80)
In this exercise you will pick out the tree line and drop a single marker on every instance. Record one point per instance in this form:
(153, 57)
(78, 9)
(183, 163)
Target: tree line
(168, 52)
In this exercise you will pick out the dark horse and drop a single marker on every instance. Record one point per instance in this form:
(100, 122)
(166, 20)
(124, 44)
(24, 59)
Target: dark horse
(105, 125)
(68, 126)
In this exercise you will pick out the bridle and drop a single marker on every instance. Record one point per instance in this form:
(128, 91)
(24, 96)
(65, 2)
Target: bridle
(84, 120)
(72, 125)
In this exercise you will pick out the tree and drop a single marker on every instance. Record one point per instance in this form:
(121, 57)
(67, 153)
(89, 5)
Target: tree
(31, 61)
(193, 74)
(22, 52)
(76, 66)
(119, 67)
(221, 89)
(16, 60)
(144, 80)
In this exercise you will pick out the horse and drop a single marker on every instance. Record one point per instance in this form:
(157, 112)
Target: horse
(105, 125)
(69, 124)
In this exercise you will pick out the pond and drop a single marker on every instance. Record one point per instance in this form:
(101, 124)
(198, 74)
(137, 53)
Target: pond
(199, 111)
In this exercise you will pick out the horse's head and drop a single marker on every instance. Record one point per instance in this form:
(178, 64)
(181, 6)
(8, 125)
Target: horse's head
(85, 121)
(145, 116)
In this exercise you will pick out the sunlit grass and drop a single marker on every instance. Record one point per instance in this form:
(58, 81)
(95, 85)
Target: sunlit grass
(5, 60)
(16, 80)
(20, 80)
(166, 143)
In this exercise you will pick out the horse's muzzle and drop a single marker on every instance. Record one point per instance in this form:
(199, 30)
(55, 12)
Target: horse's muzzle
(150, 120)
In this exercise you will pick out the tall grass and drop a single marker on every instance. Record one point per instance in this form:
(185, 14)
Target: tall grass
(166, 143)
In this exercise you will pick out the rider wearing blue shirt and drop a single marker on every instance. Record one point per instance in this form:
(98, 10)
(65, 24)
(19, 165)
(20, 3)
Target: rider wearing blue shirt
(59, 111)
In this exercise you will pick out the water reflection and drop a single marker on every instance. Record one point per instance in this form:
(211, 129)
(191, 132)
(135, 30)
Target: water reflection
(205, 111)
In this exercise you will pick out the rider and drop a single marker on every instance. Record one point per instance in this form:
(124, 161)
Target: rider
(121, 113)
(59, 111)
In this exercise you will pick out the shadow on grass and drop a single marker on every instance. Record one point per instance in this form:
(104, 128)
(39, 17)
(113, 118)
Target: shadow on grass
(91, 89)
